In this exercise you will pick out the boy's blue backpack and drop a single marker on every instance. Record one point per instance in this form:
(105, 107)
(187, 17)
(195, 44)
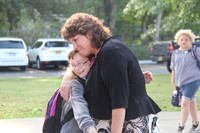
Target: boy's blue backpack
(52, 123)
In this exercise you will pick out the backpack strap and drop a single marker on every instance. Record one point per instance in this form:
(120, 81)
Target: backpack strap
(68, 117)
(194, 54)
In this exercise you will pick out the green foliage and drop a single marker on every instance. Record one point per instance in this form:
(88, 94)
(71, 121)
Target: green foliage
(134, 19)
(176, 14)
(4, 25)
(142, 52)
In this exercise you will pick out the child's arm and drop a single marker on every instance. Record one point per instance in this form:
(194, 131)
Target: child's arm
(80, 108)
(172, 65)
(173, 79)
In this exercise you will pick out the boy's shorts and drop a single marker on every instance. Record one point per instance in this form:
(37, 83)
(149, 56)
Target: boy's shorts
(190, 89)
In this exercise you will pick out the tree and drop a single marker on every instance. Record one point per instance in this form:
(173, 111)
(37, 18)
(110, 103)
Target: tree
(183, 14)
(109, 11)
(10, 14)
(168, 16)
(144, 11)
(4, 25)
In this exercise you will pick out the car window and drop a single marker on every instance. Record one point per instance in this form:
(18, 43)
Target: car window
(37, 44)
(56, 44)
(11, 45)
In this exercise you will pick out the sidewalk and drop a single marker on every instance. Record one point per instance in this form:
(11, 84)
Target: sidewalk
(168, 123)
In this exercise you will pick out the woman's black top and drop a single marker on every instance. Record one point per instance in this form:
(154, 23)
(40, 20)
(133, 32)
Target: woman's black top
(116, 81)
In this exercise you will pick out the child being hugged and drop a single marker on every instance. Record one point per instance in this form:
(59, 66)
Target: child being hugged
(82, 122)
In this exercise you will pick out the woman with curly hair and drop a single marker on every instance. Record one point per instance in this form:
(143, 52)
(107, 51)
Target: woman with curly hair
(115, 86)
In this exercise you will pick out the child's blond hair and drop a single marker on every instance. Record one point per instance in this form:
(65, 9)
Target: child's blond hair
(186, 32)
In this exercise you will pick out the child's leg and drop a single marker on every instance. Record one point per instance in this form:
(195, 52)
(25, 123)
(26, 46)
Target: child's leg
(185, 109)
(194, 115)
(188, 104)
(193, 110)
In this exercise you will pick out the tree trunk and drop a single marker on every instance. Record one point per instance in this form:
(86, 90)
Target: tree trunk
(157, 26)
(112, 20)
(110, 9)
(144, 23)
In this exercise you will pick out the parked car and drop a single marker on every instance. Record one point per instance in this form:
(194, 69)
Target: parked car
(161, 51)
(13, 53)
(49, 52)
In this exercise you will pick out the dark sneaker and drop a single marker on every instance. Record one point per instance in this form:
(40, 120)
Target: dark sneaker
(193, 128)
(180, 129)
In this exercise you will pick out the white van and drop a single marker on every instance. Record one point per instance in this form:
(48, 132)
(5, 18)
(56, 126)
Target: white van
(13, 53)
(49, 51)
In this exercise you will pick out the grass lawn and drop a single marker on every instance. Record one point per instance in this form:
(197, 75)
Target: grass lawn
(27, 97)
(161, 90)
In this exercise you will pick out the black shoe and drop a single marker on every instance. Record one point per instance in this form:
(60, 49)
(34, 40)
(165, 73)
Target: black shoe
(194, 126)
(180, 129)
(102, 131)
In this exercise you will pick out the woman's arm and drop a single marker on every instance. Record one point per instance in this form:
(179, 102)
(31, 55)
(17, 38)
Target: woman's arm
(66, 84)
(118, 116)
(65, 88)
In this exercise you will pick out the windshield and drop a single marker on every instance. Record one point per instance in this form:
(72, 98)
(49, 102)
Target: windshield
(56, 44)
(11, 45)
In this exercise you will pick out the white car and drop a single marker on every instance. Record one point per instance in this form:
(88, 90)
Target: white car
(13, 53)
(49, 52)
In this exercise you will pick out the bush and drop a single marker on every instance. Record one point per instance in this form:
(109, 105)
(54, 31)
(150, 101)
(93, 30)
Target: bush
(142, 52)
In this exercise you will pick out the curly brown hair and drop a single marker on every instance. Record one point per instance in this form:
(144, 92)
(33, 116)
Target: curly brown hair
(86, 24)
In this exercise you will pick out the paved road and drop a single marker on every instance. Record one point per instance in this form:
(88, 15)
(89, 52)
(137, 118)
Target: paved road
(155, 68)
(168, 123)
(32, 72)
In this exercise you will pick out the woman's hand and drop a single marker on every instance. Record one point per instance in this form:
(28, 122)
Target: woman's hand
(148, 77)
(65, 88)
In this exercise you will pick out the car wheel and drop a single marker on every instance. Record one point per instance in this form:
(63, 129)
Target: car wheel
(30, 64)
(22, 68)
(168, 66)
(40, 65)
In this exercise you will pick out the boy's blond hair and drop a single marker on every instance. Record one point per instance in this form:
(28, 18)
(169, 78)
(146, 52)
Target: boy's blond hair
(186, 32)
